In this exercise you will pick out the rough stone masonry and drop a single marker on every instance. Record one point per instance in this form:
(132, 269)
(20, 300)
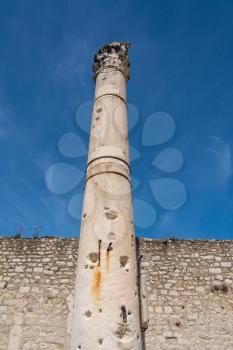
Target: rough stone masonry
(189, 283)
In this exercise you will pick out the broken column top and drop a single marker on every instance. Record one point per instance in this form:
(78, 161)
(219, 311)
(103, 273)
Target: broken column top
(113, 55)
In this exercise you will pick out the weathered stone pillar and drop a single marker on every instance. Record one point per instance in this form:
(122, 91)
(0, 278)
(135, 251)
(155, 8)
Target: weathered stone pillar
(106, 301)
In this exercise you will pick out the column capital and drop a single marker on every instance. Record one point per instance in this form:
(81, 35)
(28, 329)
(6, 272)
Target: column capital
(113, 55)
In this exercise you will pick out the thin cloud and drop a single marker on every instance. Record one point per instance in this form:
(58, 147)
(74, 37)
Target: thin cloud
(73, 62)
(6, 126)
(223, 155)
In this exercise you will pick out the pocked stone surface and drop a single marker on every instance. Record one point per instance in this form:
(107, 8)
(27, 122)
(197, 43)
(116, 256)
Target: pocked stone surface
(108, 304)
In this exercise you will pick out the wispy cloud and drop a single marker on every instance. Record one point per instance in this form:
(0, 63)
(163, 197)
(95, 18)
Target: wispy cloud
(2, 123)
(223, 155)
(6, 125)
(74, 62)
(43, 160)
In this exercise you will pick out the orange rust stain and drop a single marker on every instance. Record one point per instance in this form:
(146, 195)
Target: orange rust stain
(97, 280)
(107, 260)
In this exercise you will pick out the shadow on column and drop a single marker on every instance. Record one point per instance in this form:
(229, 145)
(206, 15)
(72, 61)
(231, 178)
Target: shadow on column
(139, 257)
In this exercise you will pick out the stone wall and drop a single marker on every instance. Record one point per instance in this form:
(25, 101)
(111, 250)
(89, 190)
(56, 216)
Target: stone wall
(190, 293)
(36, 286)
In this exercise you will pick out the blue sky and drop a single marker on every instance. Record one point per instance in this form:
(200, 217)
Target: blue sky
(181, 66)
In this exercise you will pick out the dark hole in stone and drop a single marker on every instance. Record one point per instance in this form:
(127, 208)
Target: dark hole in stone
(99, 258)
(99, 110)
(122, 330)
(171, 338)
(111, 236)
(124, 314)
(93, 257)
(220, 288)
(111, 215)
(224, 288)
(88, 314)
(100, 341)
(109, 247)
(123, 260)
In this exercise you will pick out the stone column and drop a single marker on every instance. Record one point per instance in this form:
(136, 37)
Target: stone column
(106, 300)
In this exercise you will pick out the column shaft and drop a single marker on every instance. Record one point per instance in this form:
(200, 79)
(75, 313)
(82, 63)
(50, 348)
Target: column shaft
(106, 301)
